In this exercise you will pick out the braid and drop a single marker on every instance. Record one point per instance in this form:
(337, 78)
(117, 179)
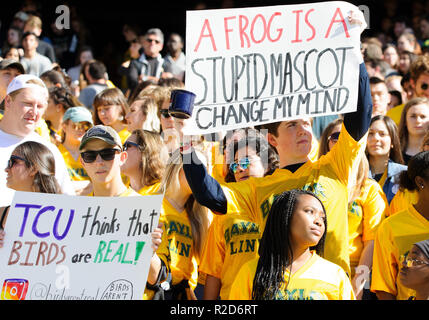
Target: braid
(275, 250)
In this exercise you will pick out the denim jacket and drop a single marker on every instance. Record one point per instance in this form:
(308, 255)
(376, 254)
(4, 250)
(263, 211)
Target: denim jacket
(391, 185)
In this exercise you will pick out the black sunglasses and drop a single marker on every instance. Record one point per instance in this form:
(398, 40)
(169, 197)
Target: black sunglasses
(334, 136)
(105, 154)
(129, 144)
(165, 113)
(12, 160)
(424, 86)
(153, 40)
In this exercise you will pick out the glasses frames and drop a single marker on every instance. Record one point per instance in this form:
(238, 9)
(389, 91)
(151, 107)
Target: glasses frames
(12, 161)
(153, 40)
(244, 163)
(129, 144)
(165, 113)
(105, 154)
(424, 86)
(334, 136)
(409, 262)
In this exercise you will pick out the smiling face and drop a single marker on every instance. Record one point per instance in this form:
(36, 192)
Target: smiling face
(19, 176)
(25, 109)
(379, 141)
(307, 224)
(255, 168)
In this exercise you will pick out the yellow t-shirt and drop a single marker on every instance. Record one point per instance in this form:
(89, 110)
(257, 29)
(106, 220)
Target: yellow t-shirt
(402, 199)
(395, 113)
(232, 240)
(365, 214)
(394, 239)
(314, 152)
(327, 177)
(43, 130)
(124, 134)
(317, 279)
(150, 190)
(177, 245)
(129, 192)
(74, 167)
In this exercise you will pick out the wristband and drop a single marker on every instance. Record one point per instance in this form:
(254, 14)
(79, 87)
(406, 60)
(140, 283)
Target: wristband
(185, 147)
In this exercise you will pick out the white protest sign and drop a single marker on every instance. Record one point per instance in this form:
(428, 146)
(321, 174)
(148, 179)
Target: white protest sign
(251, 66)
(60, 247)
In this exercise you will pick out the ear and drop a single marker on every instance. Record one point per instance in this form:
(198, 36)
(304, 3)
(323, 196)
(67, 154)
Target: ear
(82, 162)
(272, 139)
(123, 157)
(413, 84)
(420, 182)
(7, 101)
(32, 172)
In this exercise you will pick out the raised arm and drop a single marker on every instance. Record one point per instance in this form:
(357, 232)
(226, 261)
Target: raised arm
(357, 123)
(206, 190)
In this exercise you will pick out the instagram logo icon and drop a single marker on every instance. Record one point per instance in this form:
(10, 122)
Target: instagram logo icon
(14, 289)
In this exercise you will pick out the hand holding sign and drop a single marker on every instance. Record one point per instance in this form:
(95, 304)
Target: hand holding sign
(2, 234)
(252, 66)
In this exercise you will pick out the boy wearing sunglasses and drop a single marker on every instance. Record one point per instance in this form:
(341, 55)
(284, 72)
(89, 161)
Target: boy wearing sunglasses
(102, 157)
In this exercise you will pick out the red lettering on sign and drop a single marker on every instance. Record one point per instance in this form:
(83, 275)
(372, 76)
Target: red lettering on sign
(209, 35)
(341, 20)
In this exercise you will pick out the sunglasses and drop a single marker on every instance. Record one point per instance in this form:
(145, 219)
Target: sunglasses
(334, 136)
(244, 163)
(165, 113)
(153, 40)
(424, 86)
(414, 262)
(12, 161)
(129, 144)
(105, 154)
(80, 126)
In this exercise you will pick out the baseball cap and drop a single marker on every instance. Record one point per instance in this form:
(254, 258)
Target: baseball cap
(78, 114)
(23, 81)
(10, 63)
(21, 15)
(105, 133)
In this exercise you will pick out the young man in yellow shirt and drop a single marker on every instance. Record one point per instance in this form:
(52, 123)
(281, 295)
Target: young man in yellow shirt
(328, 177)
(102, 156)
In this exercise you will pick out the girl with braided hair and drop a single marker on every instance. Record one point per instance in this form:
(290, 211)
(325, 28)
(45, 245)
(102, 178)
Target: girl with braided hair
(290, 266)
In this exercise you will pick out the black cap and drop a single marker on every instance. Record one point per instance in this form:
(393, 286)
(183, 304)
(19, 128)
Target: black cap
(10, 63)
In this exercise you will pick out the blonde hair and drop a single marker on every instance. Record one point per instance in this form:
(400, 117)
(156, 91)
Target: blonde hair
(361, 177)
(149, 108)
(197, 214)
(34, 22)
(151, 147)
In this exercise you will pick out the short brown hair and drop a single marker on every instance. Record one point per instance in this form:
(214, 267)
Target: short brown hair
(110, 97)
(419, 66)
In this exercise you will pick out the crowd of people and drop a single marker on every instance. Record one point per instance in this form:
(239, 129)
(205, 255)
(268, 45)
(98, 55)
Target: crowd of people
(333, 207)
